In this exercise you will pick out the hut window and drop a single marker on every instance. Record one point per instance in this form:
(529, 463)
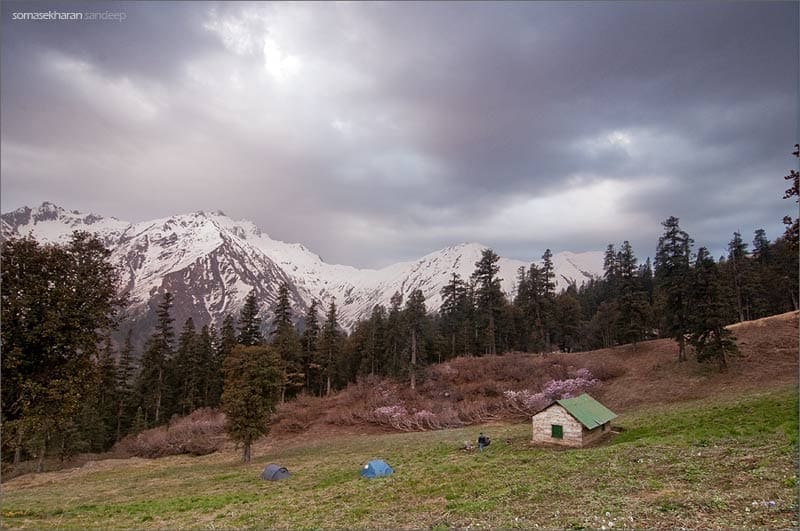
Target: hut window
(557, 431)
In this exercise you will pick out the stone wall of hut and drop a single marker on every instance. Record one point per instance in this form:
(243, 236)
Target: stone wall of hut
(555, 414)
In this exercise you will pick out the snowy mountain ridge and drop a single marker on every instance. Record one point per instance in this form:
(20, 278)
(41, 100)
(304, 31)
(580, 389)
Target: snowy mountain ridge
(210, 262)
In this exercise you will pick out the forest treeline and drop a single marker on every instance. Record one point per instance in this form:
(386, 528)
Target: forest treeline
(67, 388)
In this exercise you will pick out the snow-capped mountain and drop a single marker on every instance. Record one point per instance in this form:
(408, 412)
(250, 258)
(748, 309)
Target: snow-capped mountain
(211, 262)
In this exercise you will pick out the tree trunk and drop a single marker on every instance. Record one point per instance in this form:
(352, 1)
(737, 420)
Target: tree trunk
(158, 394)
(18, 449)
(492, 347)
(119, 420)
(413, 359)
(682, 348)
(283, 387)
(330, 362)
(308, 366)
(739, 302)
(246, 451)
(723, 362)
(40, 458)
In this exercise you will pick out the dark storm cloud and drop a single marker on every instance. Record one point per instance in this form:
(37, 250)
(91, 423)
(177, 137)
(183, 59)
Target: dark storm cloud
(377, 132)
(153, 40)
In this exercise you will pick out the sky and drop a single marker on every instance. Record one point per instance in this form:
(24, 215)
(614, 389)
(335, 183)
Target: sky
(379, 132)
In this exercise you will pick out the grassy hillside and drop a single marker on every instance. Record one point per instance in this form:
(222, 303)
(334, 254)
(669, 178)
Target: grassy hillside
(470, 390)
(712, 463)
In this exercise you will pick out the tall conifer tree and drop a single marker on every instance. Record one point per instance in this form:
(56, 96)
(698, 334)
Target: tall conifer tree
(711, 340)
(287, 343)
(330, 344)
(252, 387)
(156, 361)
(125, 373)
(415, 314)
(672, 274)
(311, 334)
(489, 296)
(250, 322)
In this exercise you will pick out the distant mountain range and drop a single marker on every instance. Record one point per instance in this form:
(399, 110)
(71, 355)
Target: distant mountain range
(211, 262)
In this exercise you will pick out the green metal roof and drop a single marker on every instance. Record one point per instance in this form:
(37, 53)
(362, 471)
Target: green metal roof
(587, 410)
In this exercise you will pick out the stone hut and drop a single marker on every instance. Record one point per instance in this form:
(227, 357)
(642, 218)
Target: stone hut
(573, 422)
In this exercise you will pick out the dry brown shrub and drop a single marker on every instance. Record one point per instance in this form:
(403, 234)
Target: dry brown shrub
(199, 433)
(605, 369)
(477, 411)
(298, 414)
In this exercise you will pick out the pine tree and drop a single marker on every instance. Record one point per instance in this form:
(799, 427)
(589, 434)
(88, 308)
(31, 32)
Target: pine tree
(761, 277)
(283, 310)
(792, 234)
(604, 321)
(646, 281)
(94, 430)
(209, 368)
(375, 347)
(610, 266)
(252, 384)
(521, 302)
(124, 383)
(710, 338)
(783, 276)
(415, 314)
(227, 341)
(187, 370)
(489, 296)
(354, 354)
(534, 308)
(330, 344)
(452, 311)
(394, 332)
(633, 307)
(761, 246)
(547, 299)
(548, 274)
(156, 359)
(311, 335)
(738, 273)
(672, 275)
(567, 320)
(250, 322)
(287, 343)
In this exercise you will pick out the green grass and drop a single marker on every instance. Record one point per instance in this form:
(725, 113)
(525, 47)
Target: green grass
(706, 464)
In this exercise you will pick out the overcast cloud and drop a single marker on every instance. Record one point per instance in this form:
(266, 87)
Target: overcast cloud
(374, 133)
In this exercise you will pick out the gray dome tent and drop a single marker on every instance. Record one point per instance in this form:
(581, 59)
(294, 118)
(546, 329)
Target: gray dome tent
(274, 472)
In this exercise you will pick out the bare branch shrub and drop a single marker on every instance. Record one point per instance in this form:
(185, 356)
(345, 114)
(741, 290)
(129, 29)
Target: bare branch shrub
(199, 433)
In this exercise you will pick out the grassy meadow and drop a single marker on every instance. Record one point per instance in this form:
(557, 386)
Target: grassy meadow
(715, 463)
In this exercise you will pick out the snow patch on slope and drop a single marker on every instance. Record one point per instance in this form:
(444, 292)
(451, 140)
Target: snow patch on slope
(213, 261)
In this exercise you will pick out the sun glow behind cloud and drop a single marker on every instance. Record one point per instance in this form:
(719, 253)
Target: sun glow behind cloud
(253, 32)
(281, 65)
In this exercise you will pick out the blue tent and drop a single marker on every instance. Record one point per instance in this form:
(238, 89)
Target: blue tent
(274, 472)
(375, 469)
